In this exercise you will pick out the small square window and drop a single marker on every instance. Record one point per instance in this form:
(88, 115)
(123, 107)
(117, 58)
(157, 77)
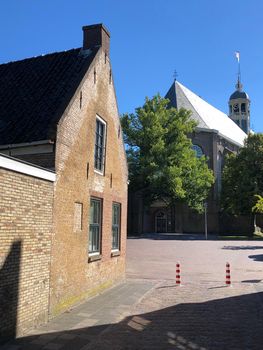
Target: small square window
(95, 225)
(116, 216)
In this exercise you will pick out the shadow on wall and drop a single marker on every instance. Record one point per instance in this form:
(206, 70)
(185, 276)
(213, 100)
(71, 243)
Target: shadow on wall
(9, 287)
(234, 323)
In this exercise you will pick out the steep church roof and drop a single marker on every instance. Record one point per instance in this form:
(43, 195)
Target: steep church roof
(206, 116)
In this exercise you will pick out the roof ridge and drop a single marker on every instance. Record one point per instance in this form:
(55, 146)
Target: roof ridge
(42, 55)
(214, 118)
(181, 85)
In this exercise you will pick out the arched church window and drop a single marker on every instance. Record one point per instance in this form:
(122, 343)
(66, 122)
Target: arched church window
(243, 107)
(198, 151)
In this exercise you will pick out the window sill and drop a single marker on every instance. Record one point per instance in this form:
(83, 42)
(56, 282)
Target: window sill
(115, 253)
(94, 257)
(99, 172)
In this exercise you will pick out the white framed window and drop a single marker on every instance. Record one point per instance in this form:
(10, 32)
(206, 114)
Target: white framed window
(95, 215)
(116, 221)
(100, 145)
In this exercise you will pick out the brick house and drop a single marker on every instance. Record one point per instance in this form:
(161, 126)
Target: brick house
(59, 111)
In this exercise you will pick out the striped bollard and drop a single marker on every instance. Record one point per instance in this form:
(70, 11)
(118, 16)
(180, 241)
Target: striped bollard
(228, 278)
(178, 274)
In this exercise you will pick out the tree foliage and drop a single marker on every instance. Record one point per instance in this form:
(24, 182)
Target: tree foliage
(243, 177)
(258, 207)
(160, 156)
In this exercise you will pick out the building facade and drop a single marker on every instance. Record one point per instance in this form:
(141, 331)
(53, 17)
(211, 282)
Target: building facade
(215, 136)
(66, 120)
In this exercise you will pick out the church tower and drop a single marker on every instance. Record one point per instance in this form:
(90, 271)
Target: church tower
(239, 105)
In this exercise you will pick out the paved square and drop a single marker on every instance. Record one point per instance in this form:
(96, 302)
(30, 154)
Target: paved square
(149, 311)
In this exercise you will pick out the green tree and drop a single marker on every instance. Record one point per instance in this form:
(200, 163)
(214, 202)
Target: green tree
(160, 156)
(243, 177)
(258, 207)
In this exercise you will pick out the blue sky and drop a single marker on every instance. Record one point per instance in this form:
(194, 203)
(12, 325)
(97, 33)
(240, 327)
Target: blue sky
(150, 39)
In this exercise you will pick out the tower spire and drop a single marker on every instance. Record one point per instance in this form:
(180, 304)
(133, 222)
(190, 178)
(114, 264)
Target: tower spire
(238, 84)
(239, 103)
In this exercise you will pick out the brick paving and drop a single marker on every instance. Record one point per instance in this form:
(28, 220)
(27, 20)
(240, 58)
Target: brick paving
(150, 312)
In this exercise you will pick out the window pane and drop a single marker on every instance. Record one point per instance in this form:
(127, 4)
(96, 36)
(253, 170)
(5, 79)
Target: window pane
(91, 212)
(99, 151)
(115, 226)
(95, 226)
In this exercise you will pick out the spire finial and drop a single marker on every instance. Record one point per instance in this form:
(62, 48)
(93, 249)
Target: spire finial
(175, 75)
(238, 85)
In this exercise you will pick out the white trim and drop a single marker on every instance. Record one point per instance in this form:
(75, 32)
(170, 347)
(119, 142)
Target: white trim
(115, 250)
(101, 172)
(98, 172)
(100, 119)
(23, 168)
(94, 254)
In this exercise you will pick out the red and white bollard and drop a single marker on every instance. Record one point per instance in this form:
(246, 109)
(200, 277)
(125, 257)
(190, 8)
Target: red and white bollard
(228, 277)
(178, 274)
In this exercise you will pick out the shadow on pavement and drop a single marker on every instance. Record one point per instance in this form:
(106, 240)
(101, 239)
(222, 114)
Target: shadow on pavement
(251, 281)
(243, 247)
(234, 323)
(257, 257)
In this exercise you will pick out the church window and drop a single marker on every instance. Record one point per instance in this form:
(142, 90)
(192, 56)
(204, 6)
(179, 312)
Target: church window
(198, 151)
(100, 144)
(243, 107)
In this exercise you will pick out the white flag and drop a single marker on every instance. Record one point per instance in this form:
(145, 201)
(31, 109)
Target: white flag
(237, 54)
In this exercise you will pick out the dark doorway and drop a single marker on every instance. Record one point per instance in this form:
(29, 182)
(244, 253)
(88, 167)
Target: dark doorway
(160, 222)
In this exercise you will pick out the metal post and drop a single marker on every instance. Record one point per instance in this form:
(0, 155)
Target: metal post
(205, 206)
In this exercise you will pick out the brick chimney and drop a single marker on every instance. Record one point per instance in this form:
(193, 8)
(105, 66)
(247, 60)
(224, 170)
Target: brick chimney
(96, 35)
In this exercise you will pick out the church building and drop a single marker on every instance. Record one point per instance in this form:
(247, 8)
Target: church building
(215, 136)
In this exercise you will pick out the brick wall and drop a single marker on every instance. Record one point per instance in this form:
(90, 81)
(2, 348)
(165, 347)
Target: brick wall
(72, 276)
(25, 241)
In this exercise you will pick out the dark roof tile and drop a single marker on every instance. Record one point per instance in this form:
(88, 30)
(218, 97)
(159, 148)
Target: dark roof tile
(34, 93)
